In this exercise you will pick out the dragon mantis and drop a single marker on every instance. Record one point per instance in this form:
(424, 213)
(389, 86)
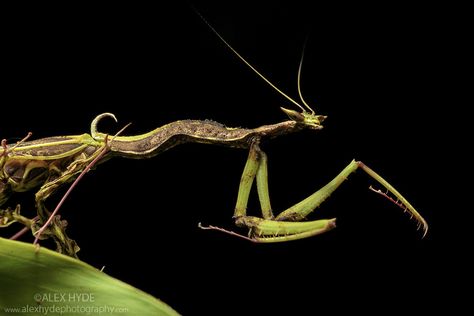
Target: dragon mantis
(47, 164)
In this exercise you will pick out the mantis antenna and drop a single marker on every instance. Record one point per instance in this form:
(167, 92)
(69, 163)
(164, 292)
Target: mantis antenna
(258, 73)
(299, 78)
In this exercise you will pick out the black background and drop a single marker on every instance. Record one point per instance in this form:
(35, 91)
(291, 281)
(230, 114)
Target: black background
(376, 71)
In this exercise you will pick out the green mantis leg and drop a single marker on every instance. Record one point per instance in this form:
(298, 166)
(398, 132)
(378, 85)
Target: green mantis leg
(268, 229)
(51, 224)
(256, 166)
(287, 225)
(300, 210)
(57, 228)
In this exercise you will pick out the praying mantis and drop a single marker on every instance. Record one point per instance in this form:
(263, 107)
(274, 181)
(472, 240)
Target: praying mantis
(47, 164)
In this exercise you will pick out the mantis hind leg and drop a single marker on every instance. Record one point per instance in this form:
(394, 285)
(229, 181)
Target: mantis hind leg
(287, 225)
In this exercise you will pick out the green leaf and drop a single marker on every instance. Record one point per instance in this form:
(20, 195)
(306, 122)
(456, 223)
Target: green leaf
(42, 282)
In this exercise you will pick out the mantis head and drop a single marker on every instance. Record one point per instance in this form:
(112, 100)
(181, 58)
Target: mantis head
(306, 119)
(309, 120)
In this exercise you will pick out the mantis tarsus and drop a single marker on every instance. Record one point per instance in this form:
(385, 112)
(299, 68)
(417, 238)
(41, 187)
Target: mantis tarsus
(49, 163)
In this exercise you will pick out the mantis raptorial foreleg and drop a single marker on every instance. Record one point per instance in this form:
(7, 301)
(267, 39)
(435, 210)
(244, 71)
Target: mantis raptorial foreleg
(267, 229)
(286, 225)
(255, 167)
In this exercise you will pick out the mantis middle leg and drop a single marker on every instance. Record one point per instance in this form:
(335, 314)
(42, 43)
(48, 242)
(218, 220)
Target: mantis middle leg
(57, 228)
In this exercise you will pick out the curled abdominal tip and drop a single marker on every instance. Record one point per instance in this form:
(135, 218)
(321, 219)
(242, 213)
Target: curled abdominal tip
(100, 116)
(96, 121)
